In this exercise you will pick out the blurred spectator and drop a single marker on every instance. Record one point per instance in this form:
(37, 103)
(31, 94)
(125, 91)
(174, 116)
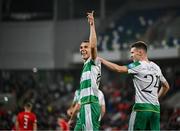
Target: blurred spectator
(174, 120)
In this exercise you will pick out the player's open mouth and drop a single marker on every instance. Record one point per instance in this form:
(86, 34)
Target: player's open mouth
(83, 53)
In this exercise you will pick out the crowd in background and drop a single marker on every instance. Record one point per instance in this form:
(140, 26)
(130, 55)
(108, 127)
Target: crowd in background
(51, 92)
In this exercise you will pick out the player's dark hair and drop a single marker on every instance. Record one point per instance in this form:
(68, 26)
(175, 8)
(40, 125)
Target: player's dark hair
(28, 105)
(86, 41)
(140, 45)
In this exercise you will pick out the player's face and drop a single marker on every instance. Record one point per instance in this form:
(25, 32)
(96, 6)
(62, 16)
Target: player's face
(85, 50)
(135, 54)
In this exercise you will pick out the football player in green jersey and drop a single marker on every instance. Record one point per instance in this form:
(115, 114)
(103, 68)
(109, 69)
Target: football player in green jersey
(90, 110)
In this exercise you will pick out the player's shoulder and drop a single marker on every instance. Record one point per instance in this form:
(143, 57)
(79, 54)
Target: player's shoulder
(21, 113)
(134, 64)
(153, 64)
(149, 64)
(95, 61)
(33, 115)
(76, 92)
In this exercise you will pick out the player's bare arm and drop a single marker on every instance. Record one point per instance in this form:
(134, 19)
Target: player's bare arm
(70, 109)
(35, 126)
(113, 66)
(103, 110)
(17, 124)
(74, 113)
(92, 37)
(164, 89)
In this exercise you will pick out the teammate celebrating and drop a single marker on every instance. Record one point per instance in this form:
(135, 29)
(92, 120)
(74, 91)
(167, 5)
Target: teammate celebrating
(26, 120)
(147, 77)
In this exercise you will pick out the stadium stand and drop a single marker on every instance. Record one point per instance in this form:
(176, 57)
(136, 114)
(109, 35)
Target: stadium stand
(144, 24)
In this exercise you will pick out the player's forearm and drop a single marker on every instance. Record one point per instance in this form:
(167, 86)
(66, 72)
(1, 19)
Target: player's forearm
(73, 115)
(17, 125)
(164, 89)
(93, 37)
(70, 109)
(93, 41)
(35, 127)
(75, 111)
(113, 66)
(162, 92)
(103, 110)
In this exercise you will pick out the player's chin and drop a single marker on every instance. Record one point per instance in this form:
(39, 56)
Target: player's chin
(133, 60)
(84, 56)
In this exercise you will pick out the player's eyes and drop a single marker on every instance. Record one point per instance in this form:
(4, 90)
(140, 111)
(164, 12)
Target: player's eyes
(85, 47)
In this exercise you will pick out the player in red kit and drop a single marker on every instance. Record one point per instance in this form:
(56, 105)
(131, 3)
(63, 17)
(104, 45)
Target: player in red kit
(63, 124)
(26, 120)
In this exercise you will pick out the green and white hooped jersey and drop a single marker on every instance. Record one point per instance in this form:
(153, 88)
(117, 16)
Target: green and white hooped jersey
(100, 97)
(90, 80)
(146, 79)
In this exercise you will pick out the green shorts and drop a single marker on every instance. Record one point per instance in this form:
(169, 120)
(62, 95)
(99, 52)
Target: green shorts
(144, 120)
(78, 126)
(89, 117)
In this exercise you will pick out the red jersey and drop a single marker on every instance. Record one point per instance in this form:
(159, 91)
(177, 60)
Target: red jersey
(26, 120)
(63, 125)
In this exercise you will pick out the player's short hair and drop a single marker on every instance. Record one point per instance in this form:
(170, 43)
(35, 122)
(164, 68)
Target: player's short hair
(86, 41)
(28, 105)
(140, 45)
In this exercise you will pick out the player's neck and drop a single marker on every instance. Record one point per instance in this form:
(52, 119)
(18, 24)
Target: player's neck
(27, 111)
(144, 59)
(85, 60)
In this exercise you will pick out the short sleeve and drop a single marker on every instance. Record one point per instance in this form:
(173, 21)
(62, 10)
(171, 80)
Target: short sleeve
(162, 78)
(101, 98)
(76, 96)
(35, 119)
(96, 62)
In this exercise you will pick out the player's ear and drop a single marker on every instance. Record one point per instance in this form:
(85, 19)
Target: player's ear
(141, 52)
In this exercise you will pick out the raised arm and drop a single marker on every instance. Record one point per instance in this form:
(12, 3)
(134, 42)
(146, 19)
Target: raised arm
(92, 37)
(113, 66)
